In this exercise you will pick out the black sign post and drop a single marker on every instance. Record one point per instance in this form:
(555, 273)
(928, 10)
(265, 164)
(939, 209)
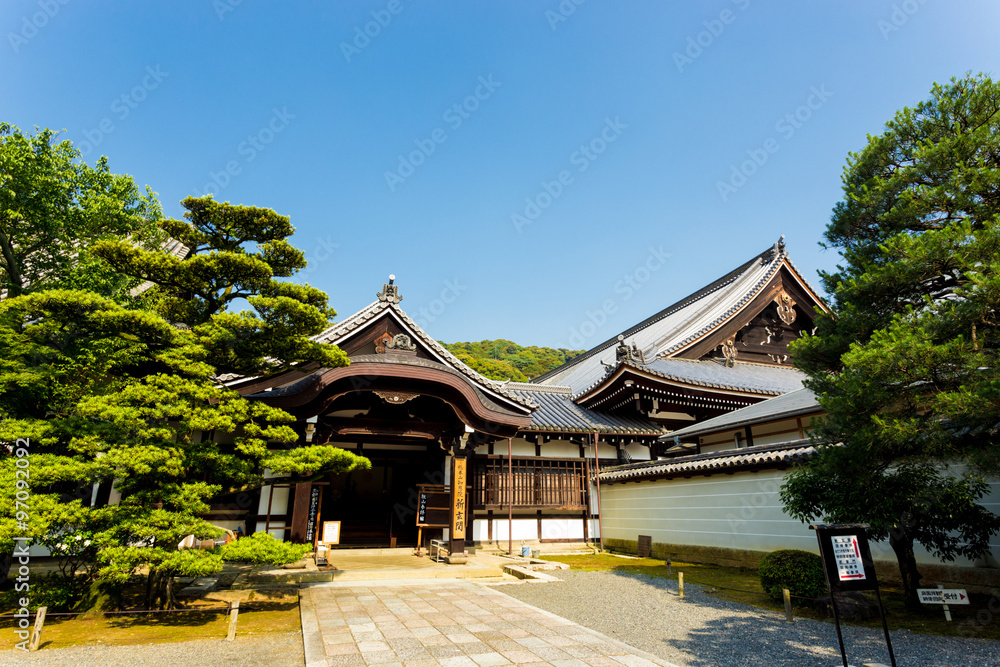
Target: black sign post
(847, 562)
(313, 515)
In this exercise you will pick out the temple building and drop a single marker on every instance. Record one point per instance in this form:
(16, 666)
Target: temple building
(527, 454)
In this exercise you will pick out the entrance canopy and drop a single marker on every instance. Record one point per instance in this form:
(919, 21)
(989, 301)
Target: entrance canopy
(401, 396)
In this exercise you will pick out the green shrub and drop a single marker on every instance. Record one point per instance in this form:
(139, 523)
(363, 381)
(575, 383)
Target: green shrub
(799, 571)
(262, 548)
(49, 590)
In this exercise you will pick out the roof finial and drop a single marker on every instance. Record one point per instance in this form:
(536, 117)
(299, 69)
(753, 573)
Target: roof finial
(626, 352)
(390, 291)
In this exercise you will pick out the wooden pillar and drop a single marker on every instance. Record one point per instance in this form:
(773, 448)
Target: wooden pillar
(300, 511)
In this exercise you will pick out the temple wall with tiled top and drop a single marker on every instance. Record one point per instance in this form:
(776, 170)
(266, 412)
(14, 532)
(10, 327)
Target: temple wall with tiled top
(740, 511)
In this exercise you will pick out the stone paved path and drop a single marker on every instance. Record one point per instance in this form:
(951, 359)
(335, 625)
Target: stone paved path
(454, 623)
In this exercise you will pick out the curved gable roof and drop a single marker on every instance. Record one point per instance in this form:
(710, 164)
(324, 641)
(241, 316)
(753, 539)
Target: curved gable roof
(675, 328)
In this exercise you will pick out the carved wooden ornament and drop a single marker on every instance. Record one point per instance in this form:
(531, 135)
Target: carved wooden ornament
(786, 307)
(382, 342)
(395, 397)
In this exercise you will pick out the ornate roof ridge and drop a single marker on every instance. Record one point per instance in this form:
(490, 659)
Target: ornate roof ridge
(777, 252)
(767, 256)
(539, 388)
(776, 454)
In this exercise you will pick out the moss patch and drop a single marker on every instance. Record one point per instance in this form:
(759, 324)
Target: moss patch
(254, 618)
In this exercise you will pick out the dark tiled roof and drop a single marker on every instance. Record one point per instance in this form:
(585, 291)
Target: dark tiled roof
(714, 374)
(741, 376)
(558, 413)
(799, 402)
(749, 457)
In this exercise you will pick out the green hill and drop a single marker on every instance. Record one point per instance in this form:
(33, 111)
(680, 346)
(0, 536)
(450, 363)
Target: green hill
(506, 360)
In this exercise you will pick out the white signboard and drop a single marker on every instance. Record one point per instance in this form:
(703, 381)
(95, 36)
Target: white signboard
(943, 595)
(848, 555)
(331, 532)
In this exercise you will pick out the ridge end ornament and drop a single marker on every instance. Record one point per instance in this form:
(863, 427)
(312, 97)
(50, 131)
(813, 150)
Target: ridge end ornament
(729, 351)
(390, 291)
(387, 342)
(625, 352)
(401, 342)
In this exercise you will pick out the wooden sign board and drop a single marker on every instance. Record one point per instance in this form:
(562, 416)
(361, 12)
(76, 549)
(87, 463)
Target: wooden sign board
(313, 514)
(943, 595)
(847, 557)
(331, 532)
(433, 506)
(645, 546)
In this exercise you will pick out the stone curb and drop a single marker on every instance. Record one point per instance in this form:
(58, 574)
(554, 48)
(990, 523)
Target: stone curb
(312, 638)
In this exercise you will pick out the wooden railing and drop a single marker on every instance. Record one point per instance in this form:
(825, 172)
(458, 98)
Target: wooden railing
(537, 483)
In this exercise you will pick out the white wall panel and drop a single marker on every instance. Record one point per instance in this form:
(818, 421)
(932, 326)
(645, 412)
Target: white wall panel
(522, 529)
(562, 529)
(740, 511)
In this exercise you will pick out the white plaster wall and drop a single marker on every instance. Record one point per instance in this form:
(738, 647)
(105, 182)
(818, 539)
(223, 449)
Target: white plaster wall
(480, 530)
(740, 511)
(637, 451)
(519, 447)
(522, 529)
(773, 438)
(562, 529)
(279, 505)
(560, 449)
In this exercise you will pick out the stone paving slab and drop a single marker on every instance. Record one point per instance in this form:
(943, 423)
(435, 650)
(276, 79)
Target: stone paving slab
(449, 622)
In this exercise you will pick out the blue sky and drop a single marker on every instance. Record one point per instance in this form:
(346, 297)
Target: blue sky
(520, 165)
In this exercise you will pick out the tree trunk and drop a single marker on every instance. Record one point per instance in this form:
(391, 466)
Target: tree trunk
(6, 559)
(152, 588)
(169, 601)
(902, 546)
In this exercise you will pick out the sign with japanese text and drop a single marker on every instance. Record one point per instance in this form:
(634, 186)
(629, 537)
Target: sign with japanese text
(459, 509)
(331, 532)
(848, 556)
(313, 514)
(943, 595)
(433, 505)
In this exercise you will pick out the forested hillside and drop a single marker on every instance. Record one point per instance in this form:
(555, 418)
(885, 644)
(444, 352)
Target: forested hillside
(506, 360)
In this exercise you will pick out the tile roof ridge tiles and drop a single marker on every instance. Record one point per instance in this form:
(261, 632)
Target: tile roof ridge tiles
(539, 388)
(714, 286)
(744, 299)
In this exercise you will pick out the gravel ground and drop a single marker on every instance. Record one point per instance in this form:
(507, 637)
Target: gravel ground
(262, 650)
(702, 631)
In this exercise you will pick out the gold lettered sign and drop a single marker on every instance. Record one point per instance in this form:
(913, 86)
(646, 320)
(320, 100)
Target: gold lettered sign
(459, 509)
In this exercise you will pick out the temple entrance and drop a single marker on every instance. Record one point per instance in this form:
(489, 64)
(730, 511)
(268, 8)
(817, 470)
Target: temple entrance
(379, 504)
